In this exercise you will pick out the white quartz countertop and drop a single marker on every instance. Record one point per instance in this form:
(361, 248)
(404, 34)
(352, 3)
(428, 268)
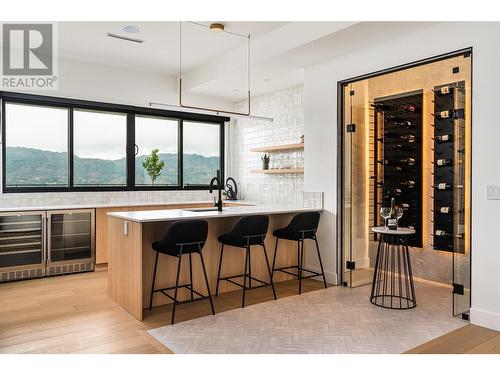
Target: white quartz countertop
(77, 206)
(187, 214)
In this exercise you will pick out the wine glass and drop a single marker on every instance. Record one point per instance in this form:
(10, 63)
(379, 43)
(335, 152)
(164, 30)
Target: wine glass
(399, 212)
(385, 212)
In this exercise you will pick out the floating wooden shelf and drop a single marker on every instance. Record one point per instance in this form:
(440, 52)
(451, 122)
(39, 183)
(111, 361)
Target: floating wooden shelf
(278, 171)
(294, 146)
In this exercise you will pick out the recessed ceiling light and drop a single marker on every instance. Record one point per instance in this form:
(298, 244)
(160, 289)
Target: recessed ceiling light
(217, 27)
(131, 29)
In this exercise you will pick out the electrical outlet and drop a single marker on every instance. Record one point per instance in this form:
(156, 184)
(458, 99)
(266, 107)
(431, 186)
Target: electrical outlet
(493, 192)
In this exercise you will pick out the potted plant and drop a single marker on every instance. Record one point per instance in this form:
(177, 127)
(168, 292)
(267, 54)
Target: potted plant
(153, 165)
(265, 161)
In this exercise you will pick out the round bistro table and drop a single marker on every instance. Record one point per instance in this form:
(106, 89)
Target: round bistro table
(393, 286)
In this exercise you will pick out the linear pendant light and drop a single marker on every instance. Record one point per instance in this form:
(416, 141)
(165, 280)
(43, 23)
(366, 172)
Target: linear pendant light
(213, 28)
(210, 111)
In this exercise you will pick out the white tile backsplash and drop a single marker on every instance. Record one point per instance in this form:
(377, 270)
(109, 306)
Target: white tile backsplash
(286, 108)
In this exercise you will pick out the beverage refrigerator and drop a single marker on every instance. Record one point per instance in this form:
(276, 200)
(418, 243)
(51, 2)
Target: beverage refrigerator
(43, 243)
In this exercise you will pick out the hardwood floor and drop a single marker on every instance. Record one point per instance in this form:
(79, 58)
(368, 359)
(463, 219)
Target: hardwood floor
(73, 314)
(470, 339)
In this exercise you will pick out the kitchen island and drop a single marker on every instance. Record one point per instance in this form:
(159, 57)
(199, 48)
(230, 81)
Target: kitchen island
(131, 258)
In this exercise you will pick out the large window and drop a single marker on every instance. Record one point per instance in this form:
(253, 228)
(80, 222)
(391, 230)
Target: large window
(100, 143)
(54, 144)
(36, 146)
(201, 152)
(162, 134)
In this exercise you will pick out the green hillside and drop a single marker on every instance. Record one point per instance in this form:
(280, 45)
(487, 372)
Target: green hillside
(29, 167)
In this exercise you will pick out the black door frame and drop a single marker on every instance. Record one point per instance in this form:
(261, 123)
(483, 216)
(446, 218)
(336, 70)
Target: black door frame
(340, 147)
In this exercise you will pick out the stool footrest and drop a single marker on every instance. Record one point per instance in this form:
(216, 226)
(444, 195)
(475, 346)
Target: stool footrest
(188, 287)
(284, 270)
(229, 279)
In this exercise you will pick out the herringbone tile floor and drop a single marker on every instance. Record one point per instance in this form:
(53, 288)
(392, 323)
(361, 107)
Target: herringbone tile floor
(336, 320)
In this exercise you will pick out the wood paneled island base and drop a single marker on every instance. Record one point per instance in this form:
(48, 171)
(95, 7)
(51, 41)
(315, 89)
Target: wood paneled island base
(131, 259)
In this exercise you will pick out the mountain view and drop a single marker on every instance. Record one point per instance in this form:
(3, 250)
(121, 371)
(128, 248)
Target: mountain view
(33, 167)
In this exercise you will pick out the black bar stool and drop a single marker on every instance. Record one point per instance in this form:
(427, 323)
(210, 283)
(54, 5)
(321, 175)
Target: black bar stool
(303, 226)
(183, 237)
(248, 231)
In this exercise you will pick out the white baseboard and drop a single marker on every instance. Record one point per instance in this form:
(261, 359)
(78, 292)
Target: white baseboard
(331, 277)
(485, 319)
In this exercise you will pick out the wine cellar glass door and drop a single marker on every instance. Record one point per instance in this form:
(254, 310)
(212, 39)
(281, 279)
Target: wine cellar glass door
(358, 184)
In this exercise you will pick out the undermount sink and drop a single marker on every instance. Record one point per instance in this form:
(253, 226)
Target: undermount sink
(202, 209)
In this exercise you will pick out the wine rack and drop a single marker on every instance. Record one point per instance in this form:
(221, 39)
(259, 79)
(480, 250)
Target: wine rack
(398, 173)
(449, 167)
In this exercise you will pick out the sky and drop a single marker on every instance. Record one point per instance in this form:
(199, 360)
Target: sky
(102, 135)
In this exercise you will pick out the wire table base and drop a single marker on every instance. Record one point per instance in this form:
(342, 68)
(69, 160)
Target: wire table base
(393, 286)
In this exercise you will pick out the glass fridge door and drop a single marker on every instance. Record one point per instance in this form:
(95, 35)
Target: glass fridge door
(21, 241)
(70, 236)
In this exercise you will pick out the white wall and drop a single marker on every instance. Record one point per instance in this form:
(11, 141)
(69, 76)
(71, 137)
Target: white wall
(320, 101)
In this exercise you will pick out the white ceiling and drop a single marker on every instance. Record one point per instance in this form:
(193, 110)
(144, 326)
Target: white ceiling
(215, 64)
(88, 41)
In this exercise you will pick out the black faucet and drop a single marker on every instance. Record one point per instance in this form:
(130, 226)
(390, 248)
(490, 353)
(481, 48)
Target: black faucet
(218, 180)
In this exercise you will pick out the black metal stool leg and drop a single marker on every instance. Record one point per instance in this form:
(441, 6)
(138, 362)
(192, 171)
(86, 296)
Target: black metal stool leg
(249, 269)
(176, 288)
(206, 282)
(274, 257)
(301, 259)
(153, 283)
(191, 276)
(320, 262)
(269, 269)
(245, 276)
(218, 272)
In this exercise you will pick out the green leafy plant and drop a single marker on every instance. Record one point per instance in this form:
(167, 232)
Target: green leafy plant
(265, 161)
(153, 165)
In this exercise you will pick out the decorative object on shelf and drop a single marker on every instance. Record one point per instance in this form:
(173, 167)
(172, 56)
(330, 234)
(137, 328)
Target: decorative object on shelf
(449, 170)
(398, 157)
(231, 191)
(302, 138)
(265, 161)
(153, 165)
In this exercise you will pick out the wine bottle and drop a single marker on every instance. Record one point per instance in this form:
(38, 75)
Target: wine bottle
(409, 184)
(444, 138)
(442, 233)
(397, 147)
(409, 108)
(405, 206)
(449, 114)
(444, 210)
(445, 90)
(408, 161)
(392, 221)
(444, 162)
(442, 186)
(379, 106)
(408, 138)
(395, 191)
(403, 124)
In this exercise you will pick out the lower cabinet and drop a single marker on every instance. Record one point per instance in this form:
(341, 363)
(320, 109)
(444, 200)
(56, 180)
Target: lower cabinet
(41, 243)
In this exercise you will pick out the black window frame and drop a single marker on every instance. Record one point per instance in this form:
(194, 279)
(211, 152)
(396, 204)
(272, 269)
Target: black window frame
(130, 112)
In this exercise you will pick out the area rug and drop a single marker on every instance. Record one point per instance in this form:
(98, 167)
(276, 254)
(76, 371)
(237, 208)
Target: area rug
(335, 320)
